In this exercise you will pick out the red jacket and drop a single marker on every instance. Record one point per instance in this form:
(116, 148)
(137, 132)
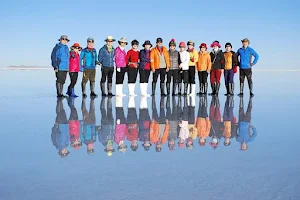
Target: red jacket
(74, 65)
(133, 132)
(132, 57)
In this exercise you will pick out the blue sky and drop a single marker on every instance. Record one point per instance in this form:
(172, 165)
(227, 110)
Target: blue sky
(30, 29)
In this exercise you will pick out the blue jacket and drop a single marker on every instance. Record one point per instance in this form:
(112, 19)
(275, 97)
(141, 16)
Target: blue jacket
(144, 59)
(246, 57)
(88, 58)
(60, 136)
(60, 57)
(106, 58)
(243, 135)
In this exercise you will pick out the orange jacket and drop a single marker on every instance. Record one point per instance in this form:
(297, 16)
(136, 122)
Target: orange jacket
(154, 57)
(204, 62)
(203, 127)
(227, 129)
(154, 133)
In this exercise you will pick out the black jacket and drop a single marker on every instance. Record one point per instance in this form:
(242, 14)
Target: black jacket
(217, 60)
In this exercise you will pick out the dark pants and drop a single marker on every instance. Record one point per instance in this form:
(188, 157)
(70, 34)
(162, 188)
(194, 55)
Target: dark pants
(183, 76)
(215, 76)
(246, 73)
(228, 75)
(107, 73)
(202, 112)
(89, 75)
(61, 77)
(120, 75)
(203, 76)
(132, 116)
(120, 115)
(73, 77)
(173, 73)
(132, 74)
(144, 75)
(161, 73)
(192, 74)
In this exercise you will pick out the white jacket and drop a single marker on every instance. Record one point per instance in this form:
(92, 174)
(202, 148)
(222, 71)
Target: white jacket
(185, 58)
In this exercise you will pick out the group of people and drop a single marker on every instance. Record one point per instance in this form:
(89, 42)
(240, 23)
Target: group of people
(178, 67)
(176, 124)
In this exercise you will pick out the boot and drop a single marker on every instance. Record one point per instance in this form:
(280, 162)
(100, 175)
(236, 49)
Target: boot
(241, 90)
(109, 89)
(231, 88)
(153, 89)
(201, 89)
(213, 89)
(188, 89)
(92, 87)
(144, 88)
(83, 86)
(179, 89)
(162, 89)
(186, 85)
(227, 89)
(174, 89)
(143, 103)
(73, 93)
(102, 86)
(168, 88)
(131, 102)
(59, 91)
(205, 88)
(193, 89)
(131, 88)
(251, 89)
(217, 88)
(119, 90)
(69, 91)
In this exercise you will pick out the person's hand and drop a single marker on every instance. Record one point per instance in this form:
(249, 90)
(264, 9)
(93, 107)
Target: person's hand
(192, 59)
(208, 71)
(153, 70)
(81, 69)
(118, 69)
(167, 69)
(151, 60)
(180, 66)
(222, 70)
(251, 64)
(56, 69)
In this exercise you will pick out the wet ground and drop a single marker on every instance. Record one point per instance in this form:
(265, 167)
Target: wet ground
(153, 148)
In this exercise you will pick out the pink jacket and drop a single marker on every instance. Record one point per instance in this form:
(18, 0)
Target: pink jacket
(74, 65)
(120, 57)
(120, 132)
(74, 129)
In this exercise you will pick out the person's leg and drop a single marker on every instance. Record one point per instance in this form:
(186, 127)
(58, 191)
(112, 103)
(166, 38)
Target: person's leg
(212, 82)
(180, 79)
(186, 81)
(231, 82)
(119, 82)
(92, 79)
(147, 75)
(175, 81)
(200, 83)
(154, 80)
(69, 87)
(242, 80)
(74, 77)
(110, 74)
(132, 72)
(84, 82)
(104, 75)
(169, 78)
(226, 78)
(162, 75)
(204, 76)
(248, 73)
(218, 80)
(192, 80)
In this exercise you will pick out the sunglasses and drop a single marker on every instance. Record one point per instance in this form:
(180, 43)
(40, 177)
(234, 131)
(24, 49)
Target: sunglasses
(228, 46)
(64, 39)
(76, 47)
(109, 41)
(91, 41)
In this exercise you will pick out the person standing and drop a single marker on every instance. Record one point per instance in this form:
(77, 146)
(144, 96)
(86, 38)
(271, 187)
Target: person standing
(160, 64)
(120, 60)
(145, 67)
(132, 61)
(88, 58)
(106, 59)
(184, 68)
(60, 62)
(74, 68)
(192, 67)
(217, 59)
(245, 54)
(203, 68)
(174, 67)
(230, 63)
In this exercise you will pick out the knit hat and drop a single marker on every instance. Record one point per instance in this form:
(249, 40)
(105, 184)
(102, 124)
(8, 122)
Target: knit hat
(147, 42)
(215, 43)
(182, 44)
(172, 43)
(159, 40)
(190, 42)
(134, 42)
(228, 44)
(203, 45)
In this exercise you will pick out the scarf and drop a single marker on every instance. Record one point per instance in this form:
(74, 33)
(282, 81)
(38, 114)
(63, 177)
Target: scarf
(160, 49)
(109, 49)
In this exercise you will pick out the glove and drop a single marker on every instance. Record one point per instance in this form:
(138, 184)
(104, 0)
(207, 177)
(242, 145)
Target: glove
(192, 59)
(118, 69)
(97, 63)
(56, 69)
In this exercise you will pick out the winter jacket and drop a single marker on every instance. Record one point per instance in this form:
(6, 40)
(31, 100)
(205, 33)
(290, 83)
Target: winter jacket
(156, 136)
(184, 130)
(105, 134)
(144, 131)
(60, 57)
(74, 63)
(120, 133)
(133, 132)
(230, 60)
(74, 130)
(60, 136)
(245, 56)
(193, 57)
(174, 59)
(192, 131)
(154, 55)
(106, 58)
(204, 62)
(185, 59)
(88, 58)
(120, 57)
(203, 127)
(244, 134)
(217, 60)
(132, 57)
(88, 133)
(145, 62)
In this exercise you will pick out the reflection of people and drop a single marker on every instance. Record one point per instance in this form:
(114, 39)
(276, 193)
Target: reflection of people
(106, 130)
(216, 130)
(132, 133)
(144, 125)
(203, 123)
(74, 125)
(173, 118)
(228, 120)
(246, 132)
(60, 131)
(88, 126)
(191, 123)
(159, 128)
(121, 127)
(183, 124)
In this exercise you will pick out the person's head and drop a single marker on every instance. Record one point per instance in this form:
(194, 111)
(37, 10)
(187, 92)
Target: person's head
(134, 145)
(123, 42)
(227, 142)
(76, 47)
(203, 47)
(190, 44)
(189, 143)
(147, 45)
(76, 144)
(228, 46)
(90, 148)
(245, 42)
(215, 46)
(122, 148)
(244, 146)
(64, 39)
(172, 45)
(135, 44)
(171, 144)
(202, 141)
(63, 152)
(182, 46)
(147, 145)
(159, 42)
(90, 42)
(109, 41)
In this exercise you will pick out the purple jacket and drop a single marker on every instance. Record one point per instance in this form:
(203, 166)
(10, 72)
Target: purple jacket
(120, 57)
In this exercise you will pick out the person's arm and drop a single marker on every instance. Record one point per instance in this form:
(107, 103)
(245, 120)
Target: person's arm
(256, 56)
(237, 55)
(179, 60)
(222, 60)
(167, 58)
(96, 58)
(152, 59)
(234, 59)
(80, 60)
(54, 62)
(187, 58)
(117, 55)
(100, 56)
(143, 57)
(128, 57)
(196, 56)
(208, 58)
(254, 134)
